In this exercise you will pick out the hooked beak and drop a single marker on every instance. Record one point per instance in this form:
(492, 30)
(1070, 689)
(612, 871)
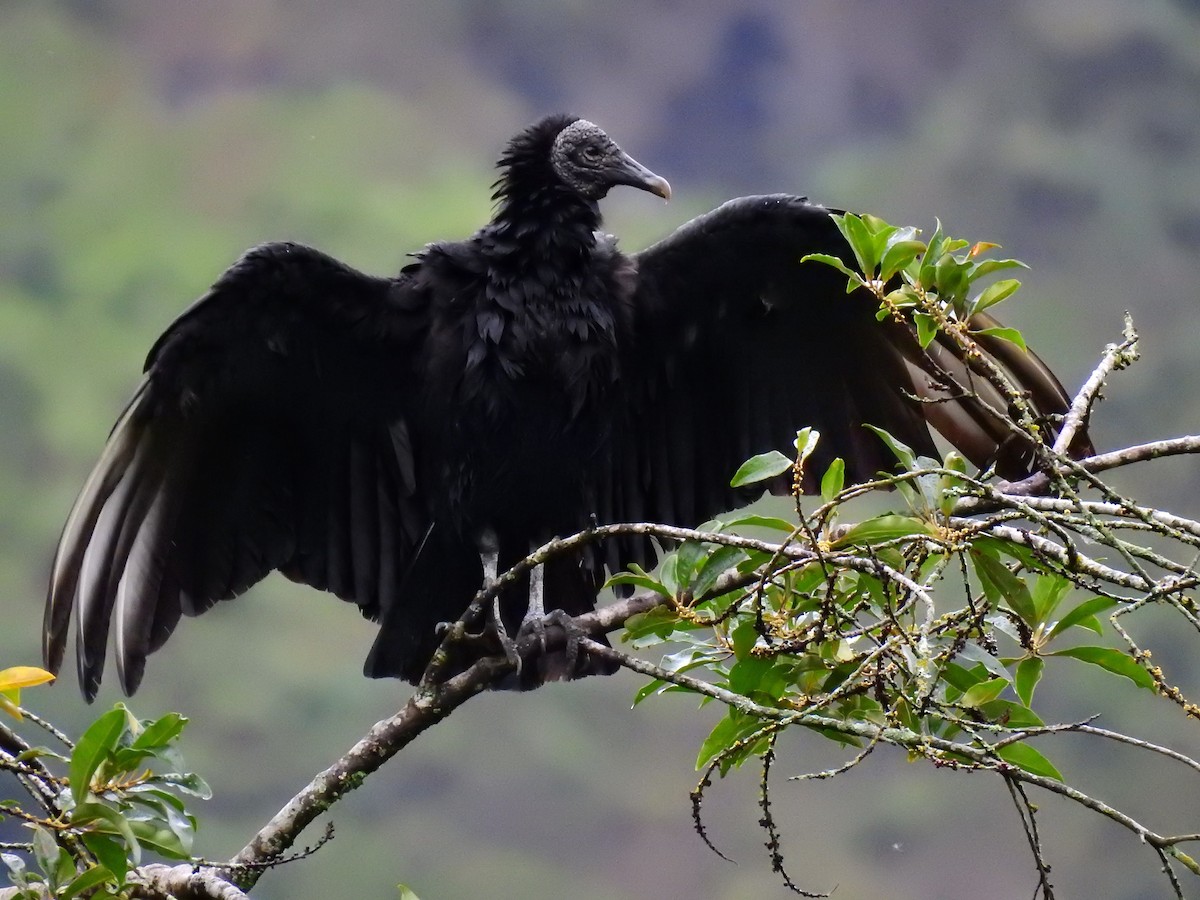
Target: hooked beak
(631, 172)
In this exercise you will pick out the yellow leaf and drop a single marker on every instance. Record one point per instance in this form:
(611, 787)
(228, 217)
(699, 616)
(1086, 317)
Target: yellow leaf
(10, 707)
(23, 676)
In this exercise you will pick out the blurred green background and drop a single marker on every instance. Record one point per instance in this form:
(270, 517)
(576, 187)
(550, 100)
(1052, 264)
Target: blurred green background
(145, 143)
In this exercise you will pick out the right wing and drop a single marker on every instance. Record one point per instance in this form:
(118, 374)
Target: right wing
(269, 432)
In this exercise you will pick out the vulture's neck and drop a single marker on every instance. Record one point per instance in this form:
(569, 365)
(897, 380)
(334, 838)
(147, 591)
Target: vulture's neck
(541, 228)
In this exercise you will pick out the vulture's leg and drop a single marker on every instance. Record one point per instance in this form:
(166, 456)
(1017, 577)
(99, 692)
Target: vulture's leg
(536, 618)
(537, 592)
(488, 547)
(489, 554)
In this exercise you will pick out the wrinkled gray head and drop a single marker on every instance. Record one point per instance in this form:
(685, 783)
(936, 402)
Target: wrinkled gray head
(589, 161)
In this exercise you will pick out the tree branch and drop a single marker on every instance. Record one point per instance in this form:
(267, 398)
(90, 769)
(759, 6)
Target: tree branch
(386, 738)
(1116, 356)
(437, 698)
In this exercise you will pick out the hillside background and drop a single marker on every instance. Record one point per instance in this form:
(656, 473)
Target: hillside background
(145, 143)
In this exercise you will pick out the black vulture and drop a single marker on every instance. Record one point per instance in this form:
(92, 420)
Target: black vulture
(383, 438)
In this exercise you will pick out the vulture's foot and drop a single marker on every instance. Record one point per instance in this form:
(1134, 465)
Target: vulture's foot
(492, 637)
(556, 664)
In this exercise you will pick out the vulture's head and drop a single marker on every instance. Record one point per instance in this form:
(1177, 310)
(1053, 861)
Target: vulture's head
(589, 161)
(574, 153)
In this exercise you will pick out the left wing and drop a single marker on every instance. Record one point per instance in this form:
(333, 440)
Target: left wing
(734, 344)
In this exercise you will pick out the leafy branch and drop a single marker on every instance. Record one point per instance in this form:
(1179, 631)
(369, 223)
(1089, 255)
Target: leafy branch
(97, 803)
(927, 628)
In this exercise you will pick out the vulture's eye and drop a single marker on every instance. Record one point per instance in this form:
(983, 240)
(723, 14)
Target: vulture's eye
(591, 153)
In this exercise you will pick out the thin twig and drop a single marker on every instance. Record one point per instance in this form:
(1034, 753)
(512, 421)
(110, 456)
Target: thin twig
(1116, 356)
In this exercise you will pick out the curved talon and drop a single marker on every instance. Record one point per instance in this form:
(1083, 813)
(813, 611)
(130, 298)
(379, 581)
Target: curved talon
(536, 626)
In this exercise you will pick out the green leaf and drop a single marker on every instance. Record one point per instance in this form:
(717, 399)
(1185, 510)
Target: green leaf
(690, 657)
(164, 841)
(933, 252)
(732, 727)
(100, 818)
(999, 583)
(927, 329)
(988, 266)
(955, 462)
(831, 261)
(93, 748)
(962, 678)
(977, 654)
(1014, 715)
(877, 227)
(946, 493)
(1028, 674)
(1049, 591)
(902, 297)
(649, 690)
(882, 528)
(860, 239)
(679, 565)
(904, 714)
(639, 578)
(998, 547)
(145, 792)
(160, 732)
(760, 468)
(406, 893)
(833, 480)
(659, 622)
(744, 637)
(188, 783)
(747, 674)
(89, 878)
(754, 520)
(1005, 334)
(1082, 615)
(994, 293)
(45, 850)
(1113, 660)
(14, 863)
(983, 692)
(900, 450)
(950, 276)
(722, 560)
(1032, 761)
(900, 253)
(805, 443)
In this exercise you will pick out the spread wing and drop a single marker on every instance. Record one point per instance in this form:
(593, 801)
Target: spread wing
(269, 432)
(735, 344)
